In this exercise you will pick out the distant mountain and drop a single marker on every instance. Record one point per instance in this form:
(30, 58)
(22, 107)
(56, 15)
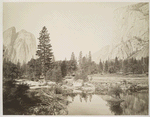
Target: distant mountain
(101, 54)
(19, 46)
(131, 34)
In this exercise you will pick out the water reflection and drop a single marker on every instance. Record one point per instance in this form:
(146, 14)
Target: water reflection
(88, 104)
(115, 108)
(72, 95)
(92, 104)
(85, 96)
(90, 97)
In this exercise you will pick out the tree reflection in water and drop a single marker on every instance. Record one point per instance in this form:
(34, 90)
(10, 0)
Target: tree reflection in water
(72, 95)
(132, 104)
(80, 98)
(115, 108)
(90, 97)
(85, 96)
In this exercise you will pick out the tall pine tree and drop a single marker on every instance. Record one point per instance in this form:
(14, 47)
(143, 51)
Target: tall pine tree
(100, 67)
(117, 65)
(90, 63)
(106, 66)
(64, 68)
(72, 56)
(80, 58)
(80, 61)
(44, 51)
(90, 57)
(72, 63)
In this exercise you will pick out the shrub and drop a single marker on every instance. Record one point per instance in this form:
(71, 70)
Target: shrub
(57, 89)
(52, 103)
(115, 91)
(16, 100)
(10, 70)
(82, 76)
(54, 74)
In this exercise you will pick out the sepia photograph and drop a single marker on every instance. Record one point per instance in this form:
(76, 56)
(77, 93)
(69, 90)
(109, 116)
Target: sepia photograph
(77, 57)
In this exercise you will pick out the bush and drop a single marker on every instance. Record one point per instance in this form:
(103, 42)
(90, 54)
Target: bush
(54, 74)
(115, 91)
(111, 69)
(52, 103)
(82, 76)
(16, 100)
(10, 70)
(57, 89)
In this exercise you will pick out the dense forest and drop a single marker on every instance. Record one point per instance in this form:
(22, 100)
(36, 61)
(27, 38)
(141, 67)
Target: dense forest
(87, 66)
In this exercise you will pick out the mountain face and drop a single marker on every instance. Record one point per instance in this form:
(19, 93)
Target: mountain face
(102, 54)
(143, 52)
(19, 46)
(130, 33)
(129, 48)
(131, 21)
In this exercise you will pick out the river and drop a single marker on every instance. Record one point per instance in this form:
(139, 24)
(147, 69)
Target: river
(88, 105)
(93, 104)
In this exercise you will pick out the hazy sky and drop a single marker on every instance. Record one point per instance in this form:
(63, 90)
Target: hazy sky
(73, 27)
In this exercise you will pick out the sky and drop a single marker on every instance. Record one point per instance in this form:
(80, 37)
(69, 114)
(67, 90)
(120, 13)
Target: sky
(73, 27)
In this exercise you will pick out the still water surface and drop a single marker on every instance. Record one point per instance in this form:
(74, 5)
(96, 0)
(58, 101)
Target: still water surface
(88, 105)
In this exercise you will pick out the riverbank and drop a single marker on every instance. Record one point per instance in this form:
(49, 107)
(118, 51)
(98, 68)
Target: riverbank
(119, 75)
(98, 84)
(133, 92)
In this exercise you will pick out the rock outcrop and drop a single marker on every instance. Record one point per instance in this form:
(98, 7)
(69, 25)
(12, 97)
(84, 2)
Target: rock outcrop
(131, 34)
(19, 46)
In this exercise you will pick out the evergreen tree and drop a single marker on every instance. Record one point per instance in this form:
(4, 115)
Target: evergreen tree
(34, 68)
(93, 68)
(135, 66)
(142, 63)
(130, 65)
(53, 62)
(72, 63)
(72, 56)
(125, 66)
(117, 65)
(80, 59)
(24, 69)
(100, 67)
(147, 64)
(44, 51)
(53, 58)
(31, 67)
(54, 74)
(19, 69)
(85, 64)
(10, 70)
(64, 68)
(106, 66)
(90, 57)
(58, 75)
(139, 67)
(90, 65)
